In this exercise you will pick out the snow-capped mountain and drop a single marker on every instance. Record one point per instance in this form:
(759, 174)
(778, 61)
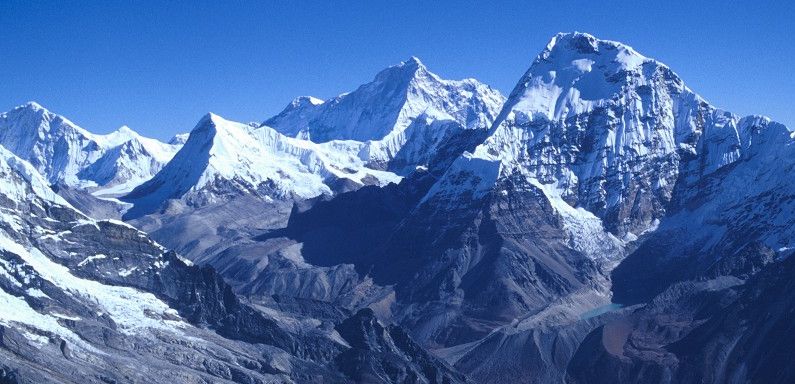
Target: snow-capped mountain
(388, 105)
(66, 154)
(603, 128)
(416, 113)
(223, 159)
(504, 258)
(87, 301)
(714, 278)
(404, 112)
(607, 224)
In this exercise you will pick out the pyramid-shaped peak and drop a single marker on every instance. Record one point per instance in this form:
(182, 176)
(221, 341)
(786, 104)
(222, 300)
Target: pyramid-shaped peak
(33, 105)
(413, 61)
(211, 127)
(121, 135)
(210, 119)
(126, 129)
(405, 70)
(28, 108)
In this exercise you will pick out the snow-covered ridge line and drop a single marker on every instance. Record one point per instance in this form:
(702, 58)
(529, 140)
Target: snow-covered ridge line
(395, 110)
(39, 187)
(67, 154)
(599, 123)
(222, 157)
(27, 200)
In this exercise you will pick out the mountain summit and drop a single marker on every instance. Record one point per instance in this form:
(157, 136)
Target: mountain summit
(388, 104)
(66, 154)
(607, 224)
(603, 178)
(223, 159)
(402, 115)
(603, 128)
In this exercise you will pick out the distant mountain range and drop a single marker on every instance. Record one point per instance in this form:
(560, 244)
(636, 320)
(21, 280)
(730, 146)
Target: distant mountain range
(603, 223)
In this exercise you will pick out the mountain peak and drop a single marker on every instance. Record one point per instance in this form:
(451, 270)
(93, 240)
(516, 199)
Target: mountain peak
(209, 120)
(40, 115)
(414, 61)
(179, 139)
(209, 117)
(404, 71)
(589, 109)
(577, 72)
(117, 137)
(388, 105)
(33, 106)
(126, 129)
(223, 158)
(566, 46)
(578, 41)
(67, 154)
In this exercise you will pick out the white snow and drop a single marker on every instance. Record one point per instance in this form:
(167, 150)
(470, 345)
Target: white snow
(586, 231)
(17, 313)
(64, 153)
(388, 104)
(90, 259)
(481, 175)
(32, 181)
(130, 308)
(223, 151)
(560, 128)
(588, 118)
(380, 113)
(35, 292)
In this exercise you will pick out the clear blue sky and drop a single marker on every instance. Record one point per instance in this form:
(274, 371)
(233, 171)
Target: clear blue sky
(159, 66)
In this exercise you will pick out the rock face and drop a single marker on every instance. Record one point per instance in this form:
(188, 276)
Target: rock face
(378, 353)
(98, 301)
(607, 225)
(66, 154)
(608, 130)
(731, 222)
(715, 276)
(716, 331)
(407, 115)
(598, 153)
